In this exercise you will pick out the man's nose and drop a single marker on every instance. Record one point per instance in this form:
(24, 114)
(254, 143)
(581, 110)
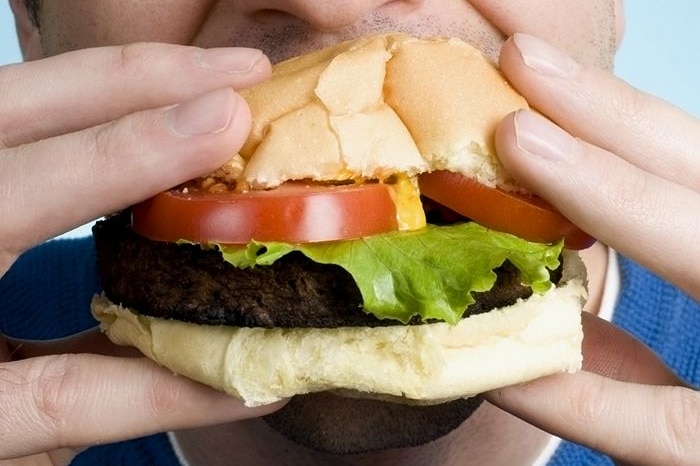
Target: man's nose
(326, 15)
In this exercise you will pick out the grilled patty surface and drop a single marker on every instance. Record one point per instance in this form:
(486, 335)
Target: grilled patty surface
(192, 284)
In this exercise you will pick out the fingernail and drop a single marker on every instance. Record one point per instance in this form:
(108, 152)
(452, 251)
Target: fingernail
(538, 136)
(544, 58)
(230, 59)
(207, 114)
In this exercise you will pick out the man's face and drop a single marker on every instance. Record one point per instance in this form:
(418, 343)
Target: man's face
(283, 28)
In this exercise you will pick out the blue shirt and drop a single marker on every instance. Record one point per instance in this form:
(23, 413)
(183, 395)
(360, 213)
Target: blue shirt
(47, 293)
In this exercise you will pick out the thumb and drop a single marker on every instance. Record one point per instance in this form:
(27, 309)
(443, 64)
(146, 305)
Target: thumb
(51, 402)
(626, 403)
(89, 341)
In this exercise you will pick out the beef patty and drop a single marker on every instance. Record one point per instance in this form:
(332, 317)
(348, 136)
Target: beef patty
(192, 284)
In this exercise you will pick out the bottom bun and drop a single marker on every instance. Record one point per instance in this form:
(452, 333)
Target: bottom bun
(429, 363)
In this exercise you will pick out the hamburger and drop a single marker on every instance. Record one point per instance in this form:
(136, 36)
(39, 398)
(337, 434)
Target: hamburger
(364, 248)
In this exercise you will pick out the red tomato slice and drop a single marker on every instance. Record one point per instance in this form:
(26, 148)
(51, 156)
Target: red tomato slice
(291, 213)
(528, 217)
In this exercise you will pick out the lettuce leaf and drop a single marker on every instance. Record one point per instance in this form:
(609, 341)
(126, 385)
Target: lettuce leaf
(431, 273)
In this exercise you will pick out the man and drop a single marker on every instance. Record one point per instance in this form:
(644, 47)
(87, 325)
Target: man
(101, 128)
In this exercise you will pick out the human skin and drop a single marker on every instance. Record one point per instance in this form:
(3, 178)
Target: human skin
(119, 116)
(626, 169)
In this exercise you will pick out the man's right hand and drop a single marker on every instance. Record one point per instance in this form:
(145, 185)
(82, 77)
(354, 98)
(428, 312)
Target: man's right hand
(83, 135)
(90, 132)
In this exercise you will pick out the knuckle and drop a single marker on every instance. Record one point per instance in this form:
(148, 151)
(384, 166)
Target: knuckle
(587, 408)
(132, 60)
(165, 395)
(111, 144)
(52, 395)
(630, 106)
(140, 62)
(628, 195)
(105, 147)
(124, 149)
(682, 417)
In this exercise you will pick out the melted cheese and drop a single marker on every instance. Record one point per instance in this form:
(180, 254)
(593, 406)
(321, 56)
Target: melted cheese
(409, 209)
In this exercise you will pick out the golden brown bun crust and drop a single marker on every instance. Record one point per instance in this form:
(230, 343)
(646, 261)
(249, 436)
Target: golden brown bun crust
(422, 364)
(416, 104)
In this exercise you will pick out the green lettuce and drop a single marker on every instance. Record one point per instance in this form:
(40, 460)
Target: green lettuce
(431, 273)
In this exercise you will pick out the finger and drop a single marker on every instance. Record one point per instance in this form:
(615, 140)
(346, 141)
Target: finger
(54, 402)
(646, 415)
(91, 341)
(86, 88)
(639, 424)
(594, 105)
(639, 214)
(80, 176)
(613, 353)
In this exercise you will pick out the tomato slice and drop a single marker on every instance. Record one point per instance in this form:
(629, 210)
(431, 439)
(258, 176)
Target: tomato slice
(528, 217)
(291, 213)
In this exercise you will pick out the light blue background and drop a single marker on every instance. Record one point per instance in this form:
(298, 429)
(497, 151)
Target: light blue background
(660, 52)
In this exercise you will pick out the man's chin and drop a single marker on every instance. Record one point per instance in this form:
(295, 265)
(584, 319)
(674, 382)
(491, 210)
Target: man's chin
(341, 425)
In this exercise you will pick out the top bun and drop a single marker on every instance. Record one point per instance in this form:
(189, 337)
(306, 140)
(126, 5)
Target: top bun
(377, 106)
